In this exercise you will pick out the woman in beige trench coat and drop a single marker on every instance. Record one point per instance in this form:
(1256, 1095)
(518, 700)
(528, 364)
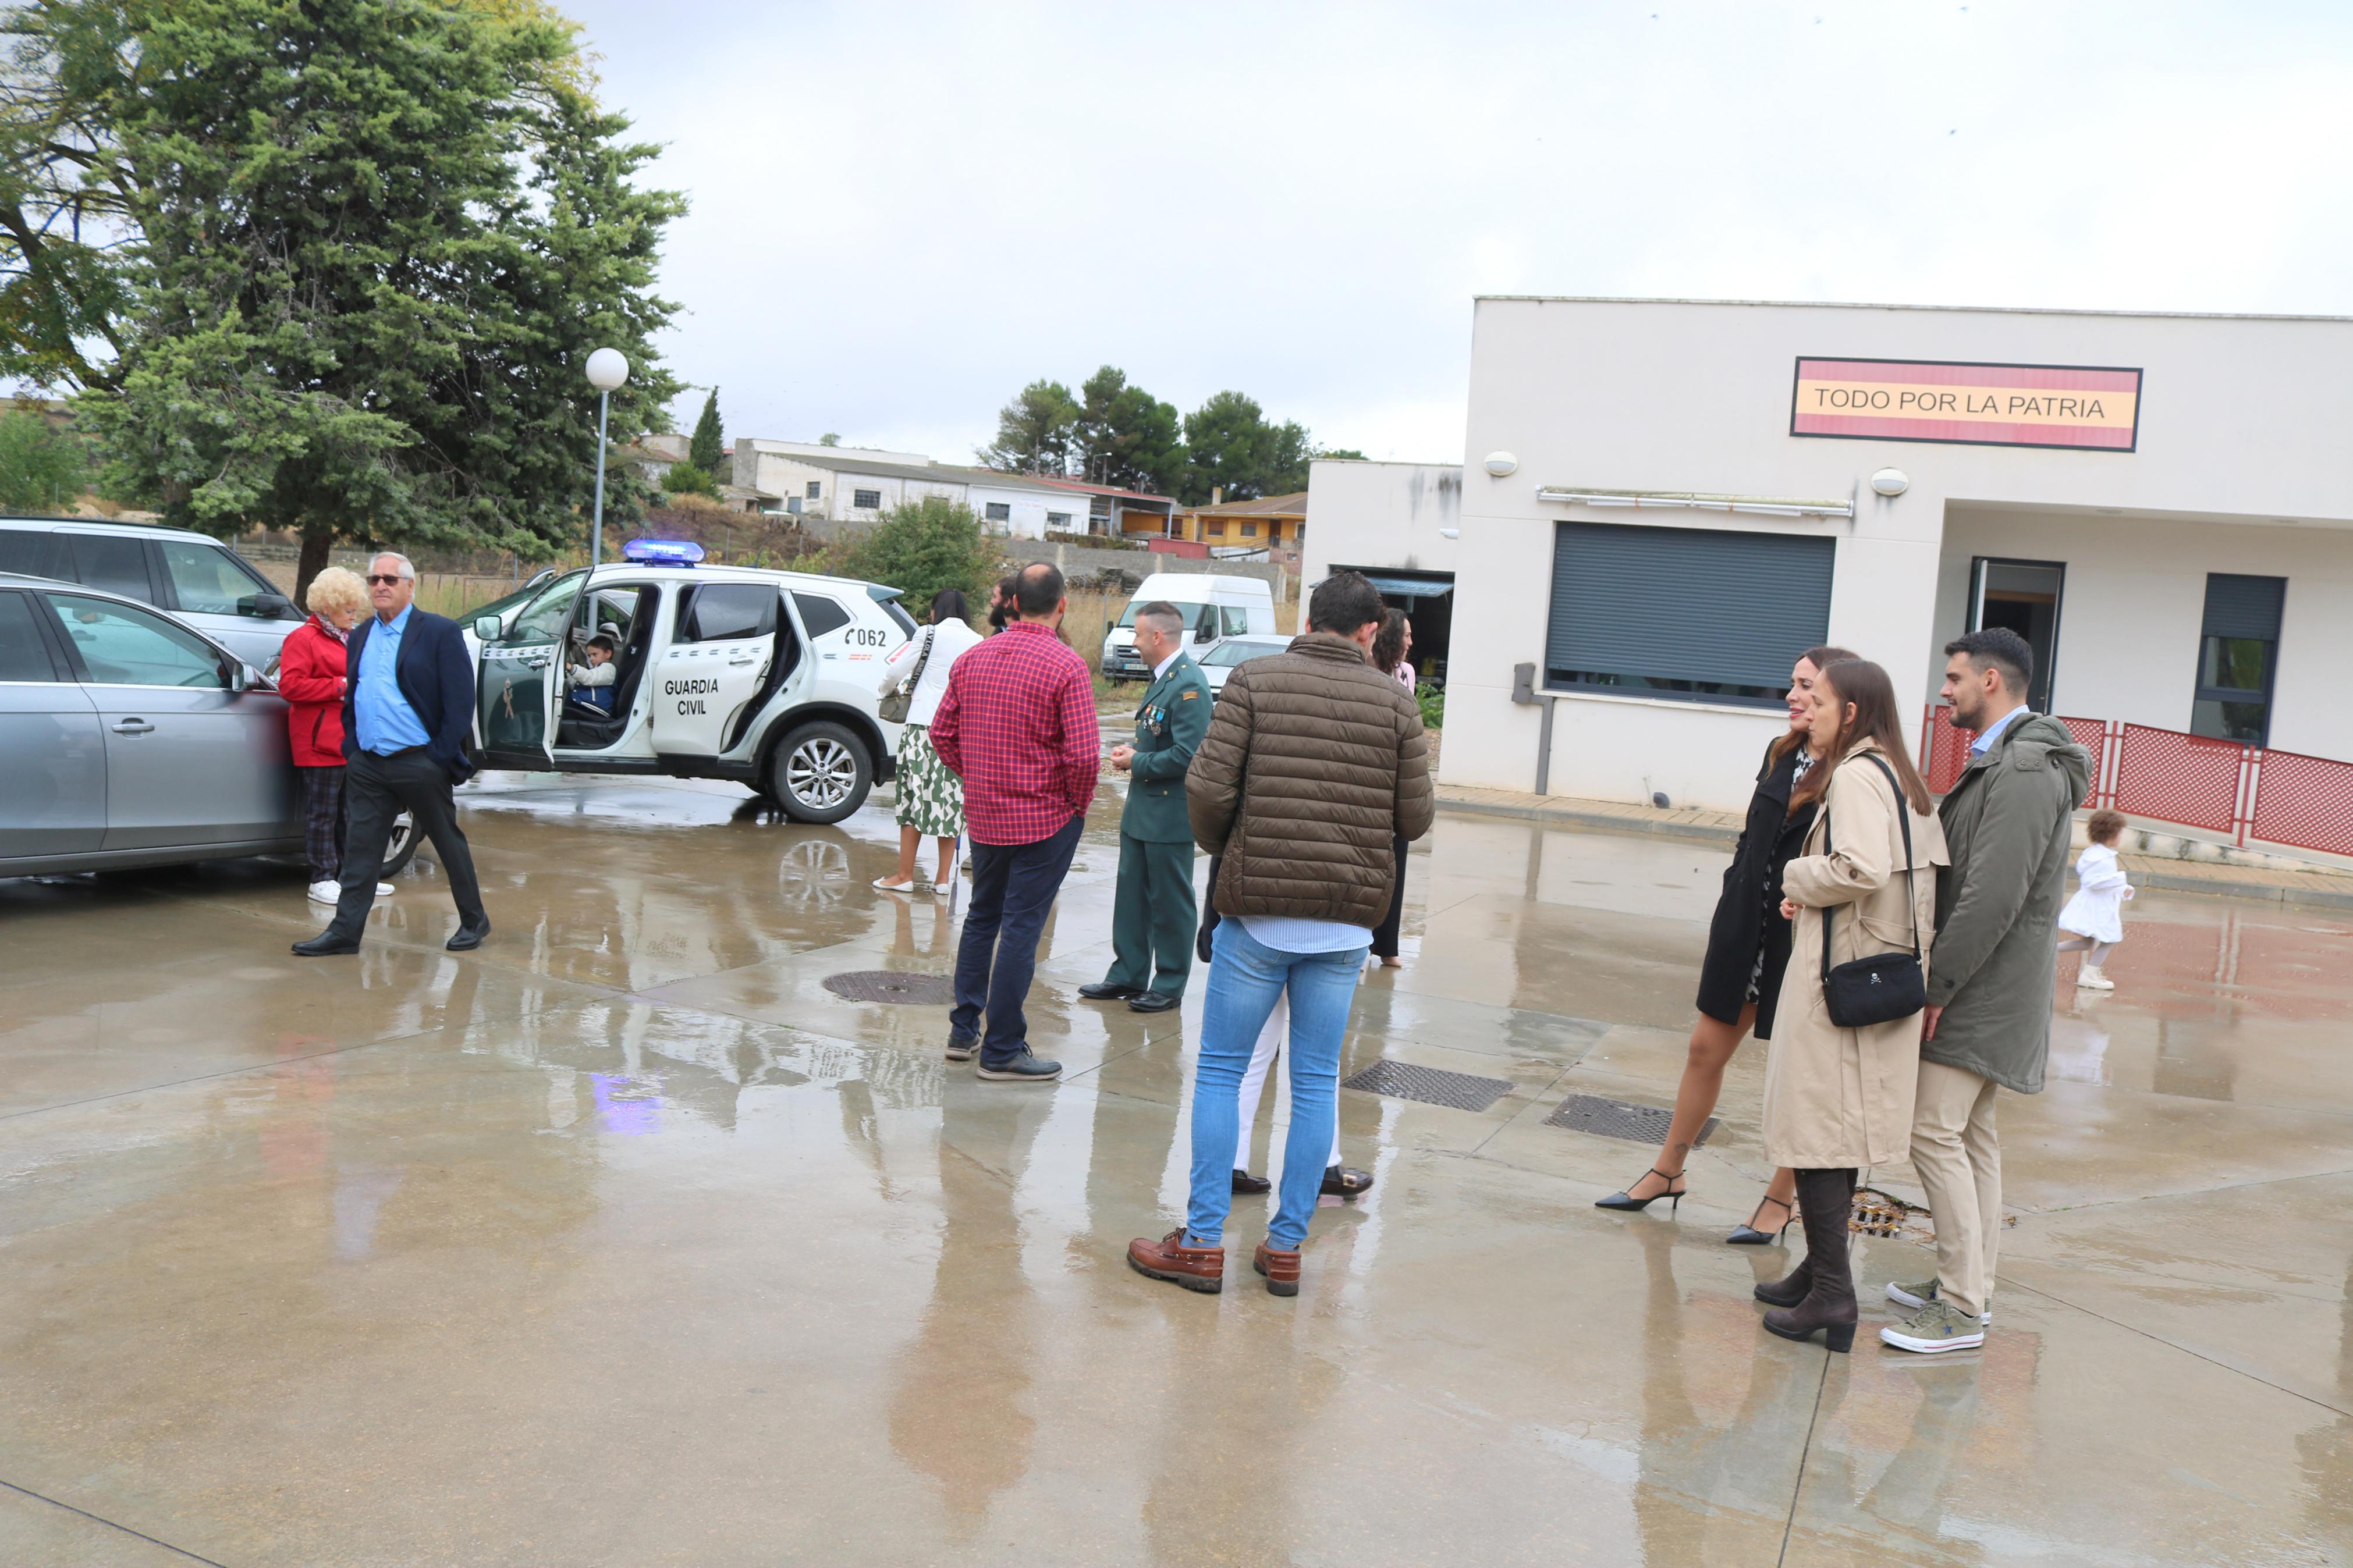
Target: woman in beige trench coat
(1836, 1100)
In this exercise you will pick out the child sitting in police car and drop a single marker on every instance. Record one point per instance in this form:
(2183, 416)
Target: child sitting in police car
(591, 683)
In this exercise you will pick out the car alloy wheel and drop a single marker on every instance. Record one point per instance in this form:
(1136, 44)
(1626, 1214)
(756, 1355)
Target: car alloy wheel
(821, 773)
(402, 849)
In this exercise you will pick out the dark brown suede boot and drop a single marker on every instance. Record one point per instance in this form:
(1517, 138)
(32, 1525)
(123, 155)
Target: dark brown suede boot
(1791, 1287)
(1825, 1203)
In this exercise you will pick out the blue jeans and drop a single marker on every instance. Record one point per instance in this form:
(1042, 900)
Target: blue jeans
(1013, 886)
(1245, 977)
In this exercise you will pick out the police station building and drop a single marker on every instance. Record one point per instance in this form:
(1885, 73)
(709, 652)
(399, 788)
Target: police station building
(1665, 500)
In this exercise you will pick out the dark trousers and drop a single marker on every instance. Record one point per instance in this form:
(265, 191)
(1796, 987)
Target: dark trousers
(377, 789)
(1152, 916)
(1013, 886)
(1385, 935)
(323, 822)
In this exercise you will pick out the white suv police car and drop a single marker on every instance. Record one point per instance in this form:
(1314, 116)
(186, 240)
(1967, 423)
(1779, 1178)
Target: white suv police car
(727, 672)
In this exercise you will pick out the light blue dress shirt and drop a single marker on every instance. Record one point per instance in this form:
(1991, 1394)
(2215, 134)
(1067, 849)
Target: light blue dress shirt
(386, 722)
(1993, 730)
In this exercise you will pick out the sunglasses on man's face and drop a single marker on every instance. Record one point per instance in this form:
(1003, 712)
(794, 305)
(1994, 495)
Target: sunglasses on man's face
(383, 579)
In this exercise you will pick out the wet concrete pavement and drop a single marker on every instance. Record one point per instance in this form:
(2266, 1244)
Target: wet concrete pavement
(623, 1240)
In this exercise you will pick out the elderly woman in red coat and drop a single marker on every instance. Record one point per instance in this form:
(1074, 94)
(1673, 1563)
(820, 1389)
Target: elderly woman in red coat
(311, 677)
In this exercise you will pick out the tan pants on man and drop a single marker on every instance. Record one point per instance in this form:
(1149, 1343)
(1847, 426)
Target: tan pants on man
(1959, 1157)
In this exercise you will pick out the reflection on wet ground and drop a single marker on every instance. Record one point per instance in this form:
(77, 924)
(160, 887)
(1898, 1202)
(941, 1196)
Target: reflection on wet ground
(622, 1240)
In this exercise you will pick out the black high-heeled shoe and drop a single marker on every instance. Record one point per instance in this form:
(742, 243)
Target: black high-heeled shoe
(1620, 1201)
(1749, 1236)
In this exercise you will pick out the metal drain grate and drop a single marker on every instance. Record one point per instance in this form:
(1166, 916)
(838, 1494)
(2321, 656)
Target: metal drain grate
(1616, 1119)
(893, 985)
(1431, 1086)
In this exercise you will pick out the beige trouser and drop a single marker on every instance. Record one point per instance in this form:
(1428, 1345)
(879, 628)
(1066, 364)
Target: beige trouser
(1960, 1159)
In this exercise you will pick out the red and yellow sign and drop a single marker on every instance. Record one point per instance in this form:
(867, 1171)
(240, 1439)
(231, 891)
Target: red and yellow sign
(2086, 406)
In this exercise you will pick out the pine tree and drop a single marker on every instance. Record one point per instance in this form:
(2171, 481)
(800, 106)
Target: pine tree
(704, 450)
(380, 238)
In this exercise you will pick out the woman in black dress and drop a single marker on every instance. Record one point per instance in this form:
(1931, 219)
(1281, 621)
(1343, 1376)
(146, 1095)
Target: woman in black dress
(1740, 980)
(1391, 644)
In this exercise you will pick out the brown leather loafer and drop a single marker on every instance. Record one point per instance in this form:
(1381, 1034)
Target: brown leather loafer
(1199, 1268)
(1281, 1268)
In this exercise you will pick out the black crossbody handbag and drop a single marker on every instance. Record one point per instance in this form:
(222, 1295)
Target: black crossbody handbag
(1885, 986)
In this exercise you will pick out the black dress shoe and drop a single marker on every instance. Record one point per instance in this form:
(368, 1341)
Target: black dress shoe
(325, 943)
(1109, 990)
(468, 938)
(1246, 1183)
(1346, 1181)
(1153, 1002)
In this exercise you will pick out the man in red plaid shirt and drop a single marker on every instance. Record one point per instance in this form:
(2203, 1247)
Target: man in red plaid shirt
(1018, 726)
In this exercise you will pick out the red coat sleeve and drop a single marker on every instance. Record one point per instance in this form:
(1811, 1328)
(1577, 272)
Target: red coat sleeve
(306, 673)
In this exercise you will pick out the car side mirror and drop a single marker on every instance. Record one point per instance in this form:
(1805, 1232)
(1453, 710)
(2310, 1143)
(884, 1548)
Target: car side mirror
(488, 629)
(267, 606)
(243, 677)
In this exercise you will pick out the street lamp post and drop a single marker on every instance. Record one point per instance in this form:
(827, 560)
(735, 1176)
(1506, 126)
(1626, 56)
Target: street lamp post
(608, 368)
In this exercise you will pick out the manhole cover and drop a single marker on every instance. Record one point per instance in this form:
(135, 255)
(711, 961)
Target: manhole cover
(893, 985)
(1616, 1119)
(1431, 1086)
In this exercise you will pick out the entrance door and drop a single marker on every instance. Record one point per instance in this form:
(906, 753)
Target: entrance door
(516, 688)
(2022, 595)
(717, 661)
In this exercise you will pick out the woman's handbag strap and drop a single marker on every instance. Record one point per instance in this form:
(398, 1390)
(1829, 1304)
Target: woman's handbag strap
(1904, 820)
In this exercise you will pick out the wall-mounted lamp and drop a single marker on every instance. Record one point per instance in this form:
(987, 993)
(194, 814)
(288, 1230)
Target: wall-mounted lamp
(1891, 482)
(1501, 464)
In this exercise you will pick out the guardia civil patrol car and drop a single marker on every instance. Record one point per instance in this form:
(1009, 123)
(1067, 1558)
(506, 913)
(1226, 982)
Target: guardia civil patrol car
(727, 672)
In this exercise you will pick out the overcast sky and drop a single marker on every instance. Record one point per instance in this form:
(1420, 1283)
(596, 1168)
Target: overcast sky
(903, 213)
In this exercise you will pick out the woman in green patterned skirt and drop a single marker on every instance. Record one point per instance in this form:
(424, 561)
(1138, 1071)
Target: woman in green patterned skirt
(931, 798)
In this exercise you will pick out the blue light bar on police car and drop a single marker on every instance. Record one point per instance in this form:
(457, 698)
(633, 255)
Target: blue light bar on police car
(662, 552)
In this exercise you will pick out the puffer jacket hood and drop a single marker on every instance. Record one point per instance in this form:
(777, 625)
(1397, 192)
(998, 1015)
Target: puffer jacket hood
(2009, 821)
(1314, 762)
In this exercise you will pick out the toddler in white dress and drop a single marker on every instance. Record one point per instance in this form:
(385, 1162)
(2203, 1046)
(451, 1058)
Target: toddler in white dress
(2093, 921)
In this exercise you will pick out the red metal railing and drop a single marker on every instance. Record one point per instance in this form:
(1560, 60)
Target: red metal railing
(2248, 793)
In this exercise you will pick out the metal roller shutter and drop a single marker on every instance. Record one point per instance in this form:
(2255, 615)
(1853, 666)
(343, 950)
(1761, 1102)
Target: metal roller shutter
(1707, 615)
(2239, 606)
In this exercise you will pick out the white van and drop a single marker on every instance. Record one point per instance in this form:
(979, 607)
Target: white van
(1215, 606)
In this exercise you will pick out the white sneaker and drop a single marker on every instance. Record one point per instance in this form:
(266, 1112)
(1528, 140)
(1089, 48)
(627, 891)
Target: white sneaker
(2091, 979)
(326, 892)
(384, 890)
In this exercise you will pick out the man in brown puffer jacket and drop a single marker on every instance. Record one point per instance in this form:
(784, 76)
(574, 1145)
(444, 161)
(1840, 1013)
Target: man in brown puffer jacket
(1314, 764)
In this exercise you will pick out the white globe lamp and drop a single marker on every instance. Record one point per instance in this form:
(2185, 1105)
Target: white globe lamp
(607, 369)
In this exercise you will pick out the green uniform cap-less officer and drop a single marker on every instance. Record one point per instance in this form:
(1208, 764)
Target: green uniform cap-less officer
(1153, 915)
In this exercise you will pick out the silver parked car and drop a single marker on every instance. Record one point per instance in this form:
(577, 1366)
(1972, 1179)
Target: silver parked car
(128, 740)
(194, 576)
(1223, 660)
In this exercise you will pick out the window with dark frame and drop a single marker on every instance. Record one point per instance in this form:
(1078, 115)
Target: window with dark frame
(866, 500)
(2238, 657)
(814, 489)
(1000, 512)
(1059, 520)
(1686, 615)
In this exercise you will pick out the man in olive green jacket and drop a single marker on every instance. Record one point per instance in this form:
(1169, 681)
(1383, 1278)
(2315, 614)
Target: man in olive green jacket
(1153, 909)
(2009, 821)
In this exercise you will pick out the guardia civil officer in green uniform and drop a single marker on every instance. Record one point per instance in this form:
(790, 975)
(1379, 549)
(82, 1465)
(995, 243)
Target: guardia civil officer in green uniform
(1152, 918)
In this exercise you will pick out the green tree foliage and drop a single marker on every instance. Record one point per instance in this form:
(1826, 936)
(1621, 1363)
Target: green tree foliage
(689, 478)
(1037, 432)
(1127, 438)
(829, 439)
(704, 451)
(375, 241)
(41, 469)
(923, 547)
(1234, 447)
(68, 256)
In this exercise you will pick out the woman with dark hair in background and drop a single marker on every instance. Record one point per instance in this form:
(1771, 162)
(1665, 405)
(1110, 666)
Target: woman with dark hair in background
(1747, 948)
(1838, 1098)
(931, 798)
(1391, 644)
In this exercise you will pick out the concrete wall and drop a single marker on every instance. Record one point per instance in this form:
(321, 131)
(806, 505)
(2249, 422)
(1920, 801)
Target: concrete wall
(2134, 599)
(1080, 561)
(2241, 418)
(1380, 514)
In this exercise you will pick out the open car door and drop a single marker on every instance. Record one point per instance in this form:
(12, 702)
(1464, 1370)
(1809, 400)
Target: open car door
(520, 678)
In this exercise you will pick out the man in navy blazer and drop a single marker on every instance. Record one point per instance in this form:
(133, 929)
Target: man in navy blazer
(408, 708)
